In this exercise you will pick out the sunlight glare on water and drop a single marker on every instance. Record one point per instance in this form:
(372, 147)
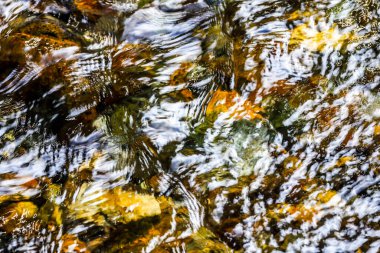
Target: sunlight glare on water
(189, 126)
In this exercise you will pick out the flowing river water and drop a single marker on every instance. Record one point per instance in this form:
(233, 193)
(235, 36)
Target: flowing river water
(189, 126)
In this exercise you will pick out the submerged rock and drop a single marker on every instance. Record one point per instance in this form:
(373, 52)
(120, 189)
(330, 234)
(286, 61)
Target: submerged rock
(70, 243)
(35, 40)
(22, 47)
(93, 7)
(205, 241)
(81, 80)
(97, 8)
(170, 231)
(115, 206)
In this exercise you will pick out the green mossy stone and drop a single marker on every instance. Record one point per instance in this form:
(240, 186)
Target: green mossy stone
(205, 241)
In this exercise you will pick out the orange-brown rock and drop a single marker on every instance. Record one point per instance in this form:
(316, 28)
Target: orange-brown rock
(93, 8)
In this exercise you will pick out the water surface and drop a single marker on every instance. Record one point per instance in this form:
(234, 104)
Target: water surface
(189, 126)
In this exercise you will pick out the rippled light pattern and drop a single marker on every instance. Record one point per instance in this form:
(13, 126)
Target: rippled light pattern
(189, 126)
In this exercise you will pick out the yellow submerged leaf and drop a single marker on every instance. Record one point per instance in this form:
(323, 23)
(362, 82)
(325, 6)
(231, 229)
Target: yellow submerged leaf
(221, 101)
(228, 101)
(315, 40)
